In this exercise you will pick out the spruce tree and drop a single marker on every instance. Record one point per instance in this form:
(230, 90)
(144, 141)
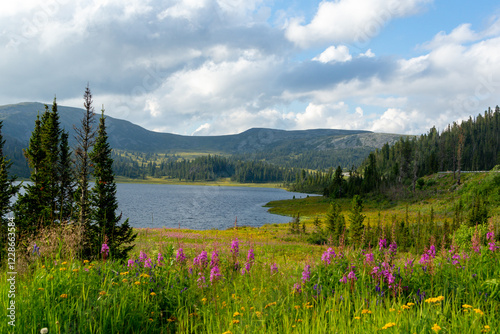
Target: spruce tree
(335, 221)
(356, 220)
(104, 204)
(85, 140)
(65, 199)
(7, 190)
(29, 210)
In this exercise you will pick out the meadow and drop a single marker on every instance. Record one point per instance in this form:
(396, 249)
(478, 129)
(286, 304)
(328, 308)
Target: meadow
(263, 280)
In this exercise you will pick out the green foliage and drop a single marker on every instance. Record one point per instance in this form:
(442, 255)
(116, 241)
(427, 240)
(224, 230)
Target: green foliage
(463, 235)
(478, 214)
(335, 222)
(356, 219)
(104, 226)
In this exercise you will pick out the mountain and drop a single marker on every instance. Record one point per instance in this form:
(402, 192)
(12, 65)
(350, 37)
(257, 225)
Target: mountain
(313, 149)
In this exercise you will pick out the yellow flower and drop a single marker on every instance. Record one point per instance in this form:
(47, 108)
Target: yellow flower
(235, 314)
(258, 314)
(227, 332)
(298, 320)
(86, 261)
(366, 312)
(391, 310)
(43, 267)
(357, 318)
(137, 283)
(204, 300)
(434, 300)
(76, 270)
(242, 308)
(486, 329)
(252, 308)
(436, 328)
(150, 319)
(388, 325)
(124, 280)
(410, 304)
(41, 289)
(102, 293)
(62, 269)
(64, 295)
(124, 273)
(64, 263)
(405, 307)
(478, 311)
(153, 294)
(236, 321)
(297, 307)
(466, 306)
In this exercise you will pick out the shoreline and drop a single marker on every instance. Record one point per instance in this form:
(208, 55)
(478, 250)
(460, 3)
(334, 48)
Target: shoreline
(221, 183)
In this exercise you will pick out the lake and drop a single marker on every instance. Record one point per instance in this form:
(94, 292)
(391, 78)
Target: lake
(198, 207)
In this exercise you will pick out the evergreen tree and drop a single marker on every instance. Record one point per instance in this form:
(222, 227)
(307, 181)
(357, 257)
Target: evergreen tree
(85, 140)
(29, 210)
(356, 220)
(7, 190)
(335, 221)
(104, 203)
(65, 200)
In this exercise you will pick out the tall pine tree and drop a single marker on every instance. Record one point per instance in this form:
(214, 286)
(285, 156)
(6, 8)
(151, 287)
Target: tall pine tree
(7, 190)
(105, 220)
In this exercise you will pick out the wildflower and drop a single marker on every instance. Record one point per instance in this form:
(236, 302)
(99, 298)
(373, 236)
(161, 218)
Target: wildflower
(143, 256)
(250, 260)
(86, 261)
(64, 263)
(466, 306)
(102, 293)
(124, 273)
(476, 242)
(327, 255)
(297, 288)
(76, 270)
(214, 262)
(298, 320)
(180, 258)
(236, 321)
(274, 268)
(393, 247)
(343, 279)
(235, 314)
(456, 259)
(64, 295)
(486, 329)
(159, 259)
(62, 269)
(434, 300)
(297, 307)
(124, 280)
(201, 280)
(201, 260)
(215, 274)
(306, 274)
(410, 304)
(130, 263)
(44, 330)
(148, 263)
(235, 248)
(105, 250)
(153, 294)
(36, 250)
(227, 332)
(357, 318)
(137, 283)
(405, 307)
(382, 243)
(352, 275)
(366, 312)
(436, 328)
(41, 289)
(478, 311)
(392, 310)
(369, 257)
(388, 325)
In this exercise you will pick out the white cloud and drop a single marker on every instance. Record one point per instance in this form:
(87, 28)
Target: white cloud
(368, 54)
(334, 54)
(349, 21)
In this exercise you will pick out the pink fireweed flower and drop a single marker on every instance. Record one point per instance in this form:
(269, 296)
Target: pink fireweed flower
(382, 243)
(274, 268)
(476, 242)
(143, 256)
(492, 246)
(456, 259)
(201, 260)
(215, 274)
(352, 275)
(343, 279)
(432, 251)
(105, 250)
(148, 263)
(214, 262)
(235, 247)
(297, 288)
(180, 258)
(369, 257)
(306, 274)
(250, 260)
(159, 259)
(490, 236)
(130, 263)
(327, 256)
(201, 281)
(393, 248)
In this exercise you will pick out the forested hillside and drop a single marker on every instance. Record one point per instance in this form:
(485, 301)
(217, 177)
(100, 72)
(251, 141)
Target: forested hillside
(472, 145)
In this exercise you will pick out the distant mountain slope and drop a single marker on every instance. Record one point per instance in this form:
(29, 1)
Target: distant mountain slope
(314, 149)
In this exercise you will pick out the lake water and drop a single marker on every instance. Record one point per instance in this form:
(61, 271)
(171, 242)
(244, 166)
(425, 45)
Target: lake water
(198, 207)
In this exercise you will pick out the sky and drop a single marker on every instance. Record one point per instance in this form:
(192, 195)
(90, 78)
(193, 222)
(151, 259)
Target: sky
(212, 67)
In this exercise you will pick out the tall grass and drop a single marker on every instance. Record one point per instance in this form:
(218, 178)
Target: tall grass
(337, 290)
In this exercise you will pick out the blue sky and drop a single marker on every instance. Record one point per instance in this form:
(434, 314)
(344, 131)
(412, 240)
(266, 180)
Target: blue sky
(206, 67)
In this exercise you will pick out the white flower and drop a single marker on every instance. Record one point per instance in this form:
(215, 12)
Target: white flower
(44, 330)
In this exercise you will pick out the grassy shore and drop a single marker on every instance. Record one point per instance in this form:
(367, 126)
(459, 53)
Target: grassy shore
(223, 182)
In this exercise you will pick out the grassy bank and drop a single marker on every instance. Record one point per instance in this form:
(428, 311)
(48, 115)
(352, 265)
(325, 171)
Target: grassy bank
(224, 182)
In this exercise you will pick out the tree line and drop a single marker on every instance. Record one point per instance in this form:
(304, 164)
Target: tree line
(60, 192)
(472, 145)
